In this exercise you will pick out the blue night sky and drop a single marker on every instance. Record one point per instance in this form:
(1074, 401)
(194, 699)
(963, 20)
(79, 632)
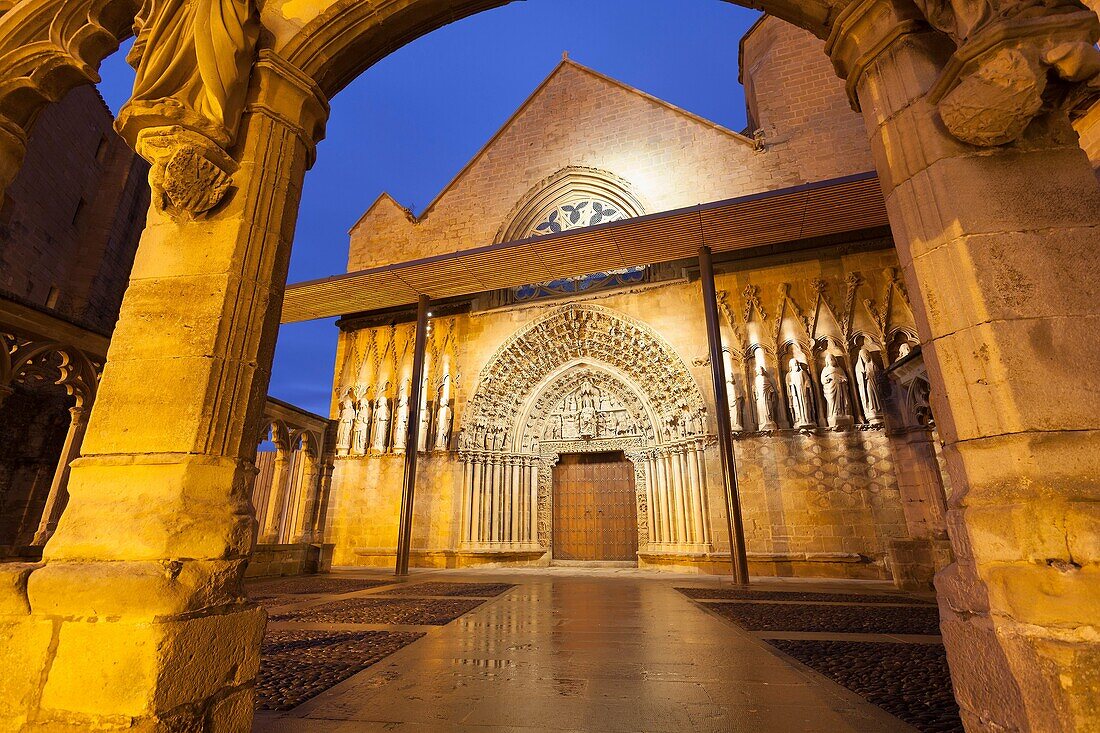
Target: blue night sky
(410, 123)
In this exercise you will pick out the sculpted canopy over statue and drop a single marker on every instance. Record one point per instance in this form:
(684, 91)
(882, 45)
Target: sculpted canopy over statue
(193, 60)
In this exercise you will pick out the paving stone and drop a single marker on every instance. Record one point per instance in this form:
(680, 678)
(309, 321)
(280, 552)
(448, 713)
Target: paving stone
(834, 619)
(313, 584)
(481, 590)
(298, 665)
(411, 611)
(910, 681)
(716, 594)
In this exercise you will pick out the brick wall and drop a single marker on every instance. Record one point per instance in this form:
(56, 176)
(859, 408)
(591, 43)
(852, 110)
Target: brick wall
(69, 228)
(71, 220)
(793, 94)
(669, 158)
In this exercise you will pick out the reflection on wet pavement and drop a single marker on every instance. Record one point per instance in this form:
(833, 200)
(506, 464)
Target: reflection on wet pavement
(585, 651)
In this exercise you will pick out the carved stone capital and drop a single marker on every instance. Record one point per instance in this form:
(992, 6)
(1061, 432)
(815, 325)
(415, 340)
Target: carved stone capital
(863, 31)
(1007, 71)
(189, 173)
(284, 93)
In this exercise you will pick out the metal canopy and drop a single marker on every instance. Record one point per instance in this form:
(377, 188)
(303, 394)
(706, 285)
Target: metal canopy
(772, 217)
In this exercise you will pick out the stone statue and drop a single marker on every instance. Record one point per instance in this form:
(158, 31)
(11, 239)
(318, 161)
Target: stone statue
(834, 384)
(401, 421)
(767, 399)
(422, 436)
(587, 424)
(535, 445)
(361, 429)
(193, 60)
(345, 426)
(801, 392)
(735, 398)
(381, 423)
(866, 381)
(443, 420)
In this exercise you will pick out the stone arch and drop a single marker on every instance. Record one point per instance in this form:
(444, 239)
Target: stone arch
(350, 36)
(576, 332)
(532, 422)
(569, 184)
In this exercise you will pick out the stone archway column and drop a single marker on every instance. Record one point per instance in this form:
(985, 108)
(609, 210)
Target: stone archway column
(138, 618)
(58, 496)
(282, 481)
(998, 247)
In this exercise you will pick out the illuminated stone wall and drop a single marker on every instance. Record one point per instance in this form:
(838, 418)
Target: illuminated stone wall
(818, 501)
(668, 158)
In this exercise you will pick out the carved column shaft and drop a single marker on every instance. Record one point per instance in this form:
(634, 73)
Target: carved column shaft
(281, 484)
(306, 499)
(59, 494)
(1007, 318)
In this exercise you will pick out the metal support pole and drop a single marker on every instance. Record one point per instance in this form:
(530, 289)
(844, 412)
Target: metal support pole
(722, 410)
(408, 489)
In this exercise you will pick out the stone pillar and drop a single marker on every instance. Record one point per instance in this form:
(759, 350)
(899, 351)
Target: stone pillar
(467, 500)
(281, 481)
(59, 493)
(309, 492)
(323, 487)
(997, 245)
(533, 529)
(137, 617)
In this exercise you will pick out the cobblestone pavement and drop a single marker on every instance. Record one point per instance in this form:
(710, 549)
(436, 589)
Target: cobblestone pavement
(910, 681)
(907, 677)
(297, 665)
(310, 584)
(781, 595)
(580, 650)
(404, 611)
(830, 618)
(475, 590)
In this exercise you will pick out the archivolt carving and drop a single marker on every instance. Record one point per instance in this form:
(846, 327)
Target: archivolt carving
(578, 333)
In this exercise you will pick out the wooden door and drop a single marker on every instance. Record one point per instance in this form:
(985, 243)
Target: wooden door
(595, 509)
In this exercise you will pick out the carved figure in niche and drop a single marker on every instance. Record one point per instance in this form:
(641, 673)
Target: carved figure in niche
(867, 382)
(444, 417)
(193, 60)
(345, 427)
(767, 399)
(381, 422)
(834, 383)
(801, 392)
(904, 350)
(422, 435)
(569, 429)
(361, 429)
(401, 420)
(735, 398)
(535, 446)
(555, 427)
(587, 399)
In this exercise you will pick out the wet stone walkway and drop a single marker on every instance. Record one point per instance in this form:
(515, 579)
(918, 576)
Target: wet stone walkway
(563, 650)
